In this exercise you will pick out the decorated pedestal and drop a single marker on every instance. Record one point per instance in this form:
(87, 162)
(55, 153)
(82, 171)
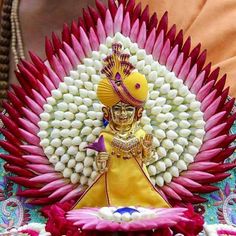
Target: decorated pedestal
(54, 119)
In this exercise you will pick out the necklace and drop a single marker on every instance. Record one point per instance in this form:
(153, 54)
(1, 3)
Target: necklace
(5, 39)
(16, 35)
(10, 38)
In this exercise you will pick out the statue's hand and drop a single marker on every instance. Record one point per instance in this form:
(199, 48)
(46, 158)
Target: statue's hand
(147, 141)
(101, 161)
(147, 147)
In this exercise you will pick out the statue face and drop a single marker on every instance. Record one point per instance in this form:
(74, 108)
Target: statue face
(123, 114)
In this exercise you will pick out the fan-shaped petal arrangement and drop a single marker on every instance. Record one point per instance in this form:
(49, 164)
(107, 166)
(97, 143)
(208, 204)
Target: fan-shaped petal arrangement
(54, 114)
(107, 219)
(128, 220)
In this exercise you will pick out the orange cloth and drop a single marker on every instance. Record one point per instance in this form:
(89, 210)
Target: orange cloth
(212, 23)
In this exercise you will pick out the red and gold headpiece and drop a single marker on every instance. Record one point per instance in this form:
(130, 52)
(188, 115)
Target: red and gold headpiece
(121, 83)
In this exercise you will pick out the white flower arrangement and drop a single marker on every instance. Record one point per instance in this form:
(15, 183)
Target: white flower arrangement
(110, 213)
(72, 118)
(38, 227)
(212, 230)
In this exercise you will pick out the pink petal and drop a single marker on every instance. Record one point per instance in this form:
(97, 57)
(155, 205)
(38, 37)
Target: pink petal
(171, 193)
(30, 138)
(158, 45)
(93, 39)
(212, 133)
(207, 155)
(38, 98)
(150, 41)
(142, 36)
(29, 126)
(77, 48)
(179, 189)
(85, 42)
(197, 85)
(204, 91)
(49, 84)
(61, 191)
(31, 116)
(101, 33)
(104, 225)
(214, 120)
(201, 166)
(46, 178)
(33, 105)
(109, 24)
(185, 69)
(134, 31)
(178, 63)
(213, 143)
(36, 159)
(72, 194)
(56, 184)
(165, 52)
(211, 110)
(43, 89)
(71, 55)
(33, 149)
(196, 175)
(118, 20)
(41, 168)
(191, 76)
(186, 182)
(208, 100)
(57, 67)
(53, 77)
(126, 25)
(90, 225)
(172, 58)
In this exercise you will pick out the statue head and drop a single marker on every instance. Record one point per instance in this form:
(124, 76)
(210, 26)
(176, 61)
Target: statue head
(123, 91)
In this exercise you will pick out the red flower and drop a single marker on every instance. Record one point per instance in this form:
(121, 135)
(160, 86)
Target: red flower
(57, 224)
(193, 227)
(29, 232)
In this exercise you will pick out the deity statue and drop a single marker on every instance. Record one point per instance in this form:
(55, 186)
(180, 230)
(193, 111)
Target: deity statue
(123, 179)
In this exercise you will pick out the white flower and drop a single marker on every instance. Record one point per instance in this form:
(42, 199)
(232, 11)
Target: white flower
(60, 151)
(79, 167)
(59, 166)
(167, 177)
(159, 181)
(67, 172)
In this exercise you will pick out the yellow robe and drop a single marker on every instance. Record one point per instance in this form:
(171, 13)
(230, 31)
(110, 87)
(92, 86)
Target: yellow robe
(126, 183)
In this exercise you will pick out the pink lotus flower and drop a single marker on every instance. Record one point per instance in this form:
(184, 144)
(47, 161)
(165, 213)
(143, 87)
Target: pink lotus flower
(89, 219)
(39, 77)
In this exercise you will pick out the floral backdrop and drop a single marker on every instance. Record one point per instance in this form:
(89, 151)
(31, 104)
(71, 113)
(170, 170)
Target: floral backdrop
(15, 211)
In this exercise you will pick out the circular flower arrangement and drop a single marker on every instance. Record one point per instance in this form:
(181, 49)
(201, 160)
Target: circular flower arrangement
(72, 118)
(54, 114)
(126, 218)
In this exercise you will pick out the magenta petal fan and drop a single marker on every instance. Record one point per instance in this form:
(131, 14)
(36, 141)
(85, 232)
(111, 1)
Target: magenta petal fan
(54, 114)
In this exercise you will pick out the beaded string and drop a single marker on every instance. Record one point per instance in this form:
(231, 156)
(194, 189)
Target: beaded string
(5, 39)
(16, 38)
